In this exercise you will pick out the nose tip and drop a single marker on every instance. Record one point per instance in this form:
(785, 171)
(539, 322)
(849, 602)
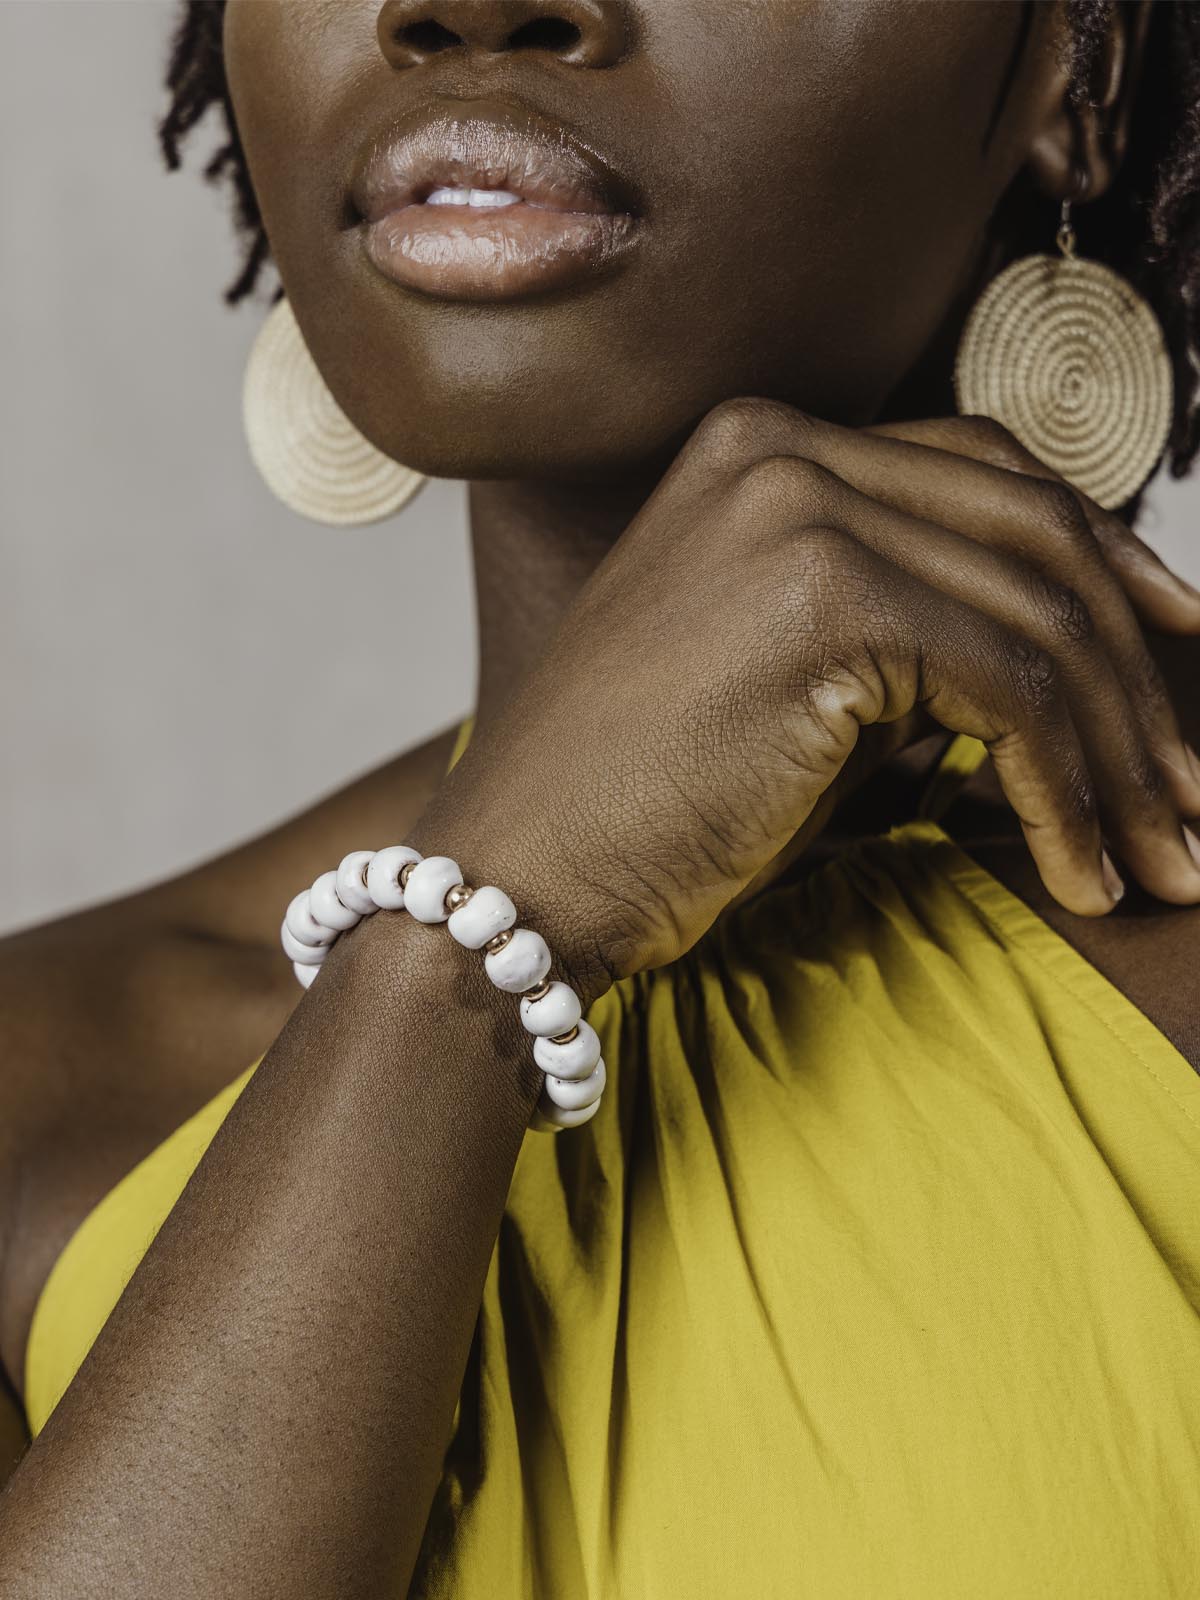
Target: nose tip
(579, 33)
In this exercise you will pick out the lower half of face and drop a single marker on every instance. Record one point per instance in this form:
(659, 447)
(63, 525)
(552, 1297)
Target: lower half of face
(799, 192)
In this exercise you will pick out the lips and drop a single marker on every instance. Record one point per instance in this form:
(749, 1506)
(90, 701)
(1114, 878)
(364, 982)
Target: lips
(486, 201)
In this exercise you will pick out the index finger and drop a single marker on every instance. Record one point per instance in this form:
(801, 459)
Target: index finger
(1160, 596)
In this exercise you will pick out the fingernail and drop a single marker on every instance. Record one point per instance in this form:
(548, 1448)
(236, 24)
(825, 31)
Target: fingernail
(1193, 844)
(1112, 878)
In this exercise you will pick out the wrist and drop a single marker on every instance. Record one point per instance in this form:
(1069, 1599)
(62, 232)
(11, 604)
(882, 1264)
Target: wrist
(490, 987)
(420, 986)
(540, 889)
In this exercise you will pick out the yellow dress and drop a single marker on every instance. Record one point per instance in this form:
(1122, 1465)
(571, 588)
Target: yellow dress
(876, 1277)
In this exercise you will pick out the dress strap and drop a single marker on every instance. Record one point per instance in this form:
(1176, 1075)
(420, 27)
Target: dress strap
(957, 762)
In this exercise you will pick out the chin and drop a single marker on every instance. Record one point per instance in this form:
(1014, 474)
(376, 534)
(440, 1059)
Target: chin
(479, 447)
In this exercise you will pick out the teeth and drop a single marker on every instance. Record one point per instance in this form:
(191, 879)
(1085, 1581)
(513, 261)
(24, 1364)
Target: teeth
(472, 197)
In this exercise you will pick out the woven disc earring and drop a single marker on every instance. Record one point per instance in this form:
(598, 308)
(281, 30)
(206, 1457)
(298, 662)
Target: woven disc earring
(1070, 358)
(310, 455)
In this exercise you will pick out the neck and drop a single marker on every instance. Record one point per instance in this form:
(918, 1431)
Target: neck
(534, 546)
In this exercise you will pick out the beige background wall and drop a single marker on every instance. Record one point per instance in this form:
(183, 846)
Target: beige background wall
(173, 676)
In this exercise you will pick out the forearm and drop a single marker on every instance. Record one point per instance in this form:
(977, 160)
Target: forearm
(267, 1409)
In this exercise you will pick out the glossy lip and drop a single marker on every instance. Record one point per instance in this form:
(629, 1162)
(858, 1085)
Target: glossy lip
(575, 216)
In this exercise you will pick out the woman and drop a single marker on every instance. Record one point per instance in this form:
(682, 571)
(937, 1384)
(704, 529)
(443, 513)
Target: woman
(874, 1269)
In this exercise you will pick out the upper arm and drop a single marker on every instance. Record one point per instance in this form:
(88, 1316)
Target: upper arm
(114, 1026)
(119, 1019)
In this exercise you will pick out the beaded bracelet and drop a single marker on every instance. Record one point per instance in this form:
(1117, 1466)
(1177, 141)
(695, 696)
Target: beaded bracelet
(431, 889)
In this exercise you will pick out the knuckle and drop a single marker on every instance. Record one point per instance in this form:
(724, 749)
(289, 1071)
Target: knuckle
(832, 592)
(790, 483)
(829, 549)
(1145, 685)
(1112, 535)
(739, 424)
(1148, 781)
(1057, 509)
(727, 425)
(1033, 674)
(1067, 621)
(996, 439)
(1079, 794)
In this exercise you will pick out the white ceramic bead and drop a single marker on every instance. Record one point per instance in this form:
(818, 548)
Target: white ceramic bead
(428, 885)
(383, 875)
(302, 925)
(556, 1012)
(524, 961)
(366, 880)
(488, 912)
(307, 955)
(324, 904)
(574, 1059)
(350, 882)
(572, 1094)
(553, 1117)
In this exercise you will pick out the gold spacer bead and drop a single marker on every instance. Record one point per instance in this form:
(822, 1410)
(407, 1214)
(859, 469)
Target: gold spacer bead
(458, 896)
(405, 873)
(539, 991)
(498, 941)
(564, 1038)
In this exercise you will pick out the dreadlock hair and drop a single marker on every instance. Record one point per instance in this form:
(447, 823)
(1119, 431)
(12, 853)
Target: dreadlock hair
(1146, 226)
(195, 81)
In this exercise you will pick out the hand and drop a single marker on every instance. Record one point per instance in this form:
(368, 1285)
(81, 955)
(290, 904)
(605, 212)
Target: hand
(792, 595)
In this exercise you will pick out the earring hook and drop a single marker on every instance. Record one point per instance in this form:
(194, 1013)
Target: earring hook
(1065, 237)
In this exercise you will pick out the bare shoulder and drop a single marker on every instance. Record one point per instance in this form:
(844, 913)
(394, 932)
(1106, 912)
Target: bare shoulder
(120, 1020)
(1150, 951)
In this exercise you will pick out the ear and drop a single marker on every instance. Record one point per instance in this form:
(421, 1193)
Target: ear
(1077, 150)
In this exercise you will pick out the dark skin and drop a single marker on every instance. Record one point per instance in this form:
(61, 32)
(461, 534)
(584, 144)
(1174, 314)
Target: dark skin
(565, 412)
(493, 393)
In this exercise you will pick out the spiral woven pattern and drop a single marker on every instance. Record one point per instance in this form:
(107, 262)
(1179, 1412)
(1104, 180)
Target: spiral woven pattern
(307, 450)
(1072, 361)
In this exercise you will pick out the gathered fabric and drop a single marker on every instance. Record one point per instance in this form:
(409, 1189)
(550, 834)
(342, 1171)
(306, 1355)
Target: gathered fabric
(875, 1277)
